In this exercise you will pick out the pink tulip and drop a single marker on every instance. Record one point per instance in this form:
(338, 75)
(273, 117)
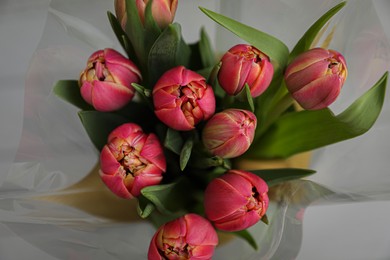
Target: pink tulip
(120, 12)
(106, 81)
(163, 11)
(316, 77)
(236, 200)
(188, 237)
(245, 64)
(229, 133)
(131, 160)
(182, 99)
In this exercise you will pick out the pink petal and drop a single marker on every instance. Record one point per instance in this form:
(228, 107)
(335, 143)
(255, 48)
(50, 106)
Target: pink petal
(174, 118)
(163, 99)
(153, 152)
(207, 103)
(116, 185)
(125, 130)
(263, 80)
(247, 220)
(86, 91)
(170, 78)
(255, 180)
(306, 59)
(142, 181)
(222, 199)
(299, 79)
(108, 96)
(229, 73)
(200, 231)
(109, 165)
(320, 93)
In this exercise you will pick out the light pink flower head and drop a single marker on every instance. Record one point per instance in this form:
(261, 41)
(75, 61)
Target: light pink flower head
(131, 160)
(229, 133)
(188, 237)
(106, 81)
(316, 77)
(236, 200)
(163, 11)
(182, 99)
(242, 64)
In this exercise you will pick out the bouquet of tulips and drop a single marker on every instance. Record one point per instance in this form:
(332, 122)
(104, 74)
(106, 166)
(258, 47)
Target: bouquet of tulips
(172, 120)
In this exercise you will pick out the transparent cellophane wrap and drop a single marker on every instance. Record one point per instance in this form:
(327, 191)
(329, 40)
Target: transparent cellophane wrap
(53, 205)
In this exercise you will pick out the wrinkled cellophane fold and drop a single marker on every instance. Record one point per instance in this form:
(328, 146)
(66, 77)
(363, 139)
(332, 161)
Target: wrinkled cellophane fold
(54, 151)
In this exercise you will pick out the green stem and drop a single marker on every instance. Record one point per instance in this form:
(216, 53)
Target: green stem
(276, 111)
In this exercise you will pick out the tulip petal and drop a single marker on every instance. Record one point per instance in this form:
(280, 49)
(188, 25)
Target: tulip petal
(141, 181)
(200, 231)
(306, 59)
(319, 93)
(301, 78)
(116, 185)
(108, 164)
(207, 103)
(174, 118)
(153, 152)
(107, 96)
(263, 80)
(236, 224)
(222, 199)
(229, 75)
(86, 91)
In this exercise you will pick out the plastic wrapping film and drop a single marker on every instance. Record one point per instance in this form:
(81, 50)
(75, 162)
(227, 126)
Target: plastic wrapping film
(46, 214)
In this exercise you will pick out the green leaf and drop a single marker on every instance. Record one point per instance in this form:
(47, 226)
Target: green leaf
(274, 48)
(122, 37)
(99, 125)
(144, 207)
(307, 39)
(167, 52)
(185, 153)
(69, 91)
(275, 176)
(169, 198)
(244, 234)
(144, 93)
(206, 51)
(249, 98)
(135, 31)
(307, 130)
(173, 141)
(152, 31)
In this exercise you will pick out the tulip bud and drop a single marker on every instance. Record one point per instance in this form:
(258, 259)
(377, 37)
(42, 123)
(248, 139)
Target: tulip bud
(131, 160)
(245, 64)
(236, 200)
(120, 12)
(182, 99)
(106, 81)
(163, 11)
(229, 133)
(188, 237)
(315, 78)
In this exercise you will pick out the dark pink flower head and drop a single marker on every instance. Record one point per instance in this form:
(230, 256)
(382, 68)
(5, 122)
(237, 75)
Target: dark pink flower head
(229, 133)
(316, 77)
(188, 237)
(131, 160)
(242, 64)
(106, 81)
(236, 200)
(182, 99)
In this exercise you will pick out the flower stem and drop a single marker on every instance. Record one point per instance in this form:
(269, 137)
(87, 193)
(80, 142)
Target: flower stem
(276, 111)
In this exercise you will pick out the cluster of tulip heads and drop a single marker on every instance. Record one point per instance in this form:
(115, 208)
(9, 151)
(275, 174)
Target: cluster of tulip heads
(186, 104)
